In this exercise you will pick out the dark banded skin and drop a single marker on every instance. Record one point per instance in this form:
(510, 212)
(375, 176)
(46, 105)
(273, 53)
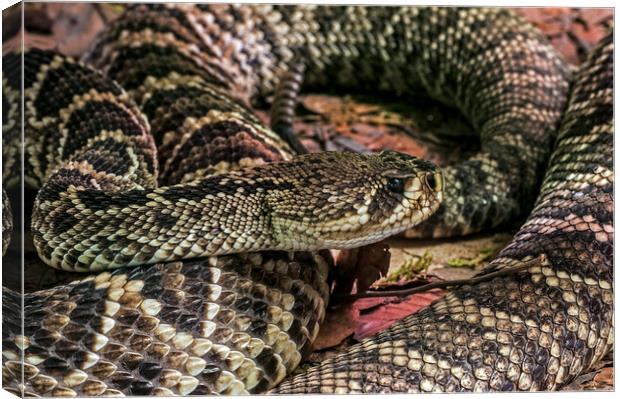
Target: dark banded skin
(229, 325)
(533, 331)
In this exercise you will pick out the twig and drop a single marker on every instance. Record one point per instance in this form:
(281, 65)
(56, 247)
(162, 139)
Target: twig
(542, 259)
(101, 13)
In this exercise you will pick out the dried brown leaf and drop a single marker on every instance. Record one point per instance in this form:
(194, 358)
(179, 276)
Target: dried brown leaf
(382, 317)
(361, 266)
(338, 325)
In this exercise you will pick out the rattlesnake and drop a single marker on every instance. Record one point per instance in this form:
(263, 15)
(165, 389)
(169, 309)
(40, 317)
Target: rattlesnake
(239, 323)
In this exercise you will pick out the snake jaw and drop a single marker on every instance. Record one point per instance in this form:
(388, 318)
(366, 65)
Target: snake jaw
(420, 201)
(422, 192)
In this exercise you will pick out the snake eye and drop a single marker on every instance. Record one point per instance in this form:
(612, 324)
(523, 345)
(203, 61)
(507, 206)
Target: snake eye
(431, 181)
(396, 185)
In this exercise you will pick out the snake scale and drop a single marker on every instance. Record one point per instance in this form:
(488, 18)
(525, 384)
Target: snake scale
(178, 172)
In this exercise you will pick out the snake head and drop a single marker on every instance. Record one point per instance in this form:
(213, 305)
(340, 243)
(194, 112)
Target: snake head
(345, 200)
(405, 191)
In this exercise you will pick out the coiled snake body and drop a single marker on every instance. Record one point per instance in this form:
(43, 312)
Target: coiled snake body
(239, 322)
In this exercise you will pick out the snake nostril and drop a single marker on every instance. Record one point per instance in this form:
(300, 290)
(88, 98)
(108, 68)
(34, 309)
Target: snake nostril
(431, 181)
